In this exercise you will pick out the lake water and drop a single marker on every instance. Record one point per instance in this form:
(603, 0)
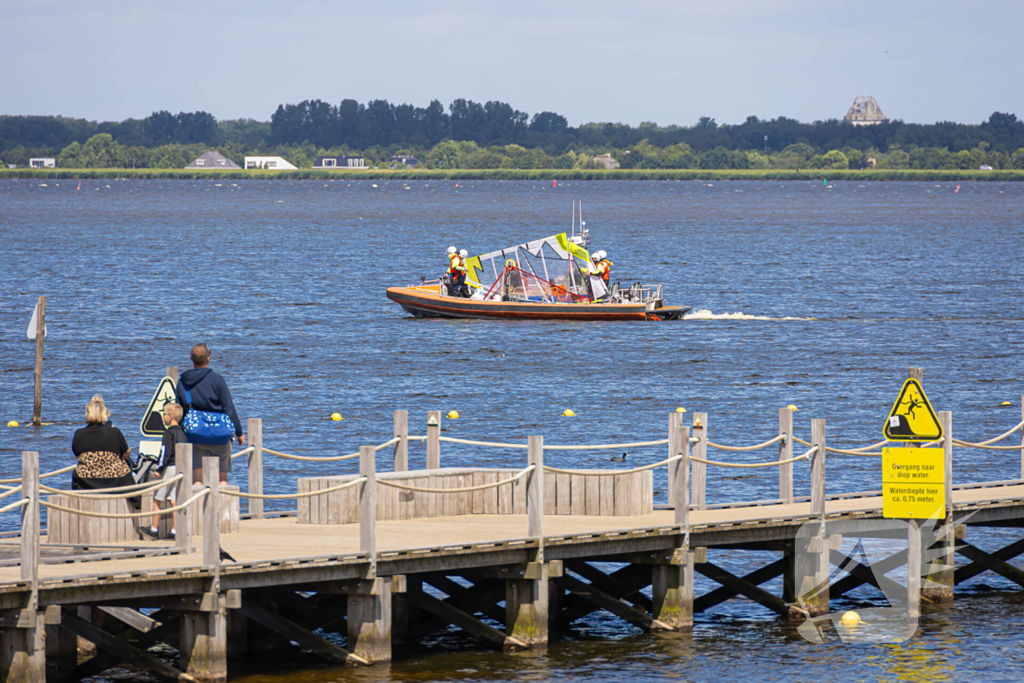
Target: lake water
(806, 294)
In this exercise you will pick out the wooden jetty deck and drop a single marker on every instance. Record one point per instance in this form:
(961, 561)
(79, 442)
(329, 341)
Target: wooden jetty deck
(508, 579)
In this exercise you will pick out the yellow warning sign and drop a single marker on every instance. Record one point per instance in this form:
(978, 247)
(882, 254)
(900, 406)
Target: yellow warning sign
(153, 421)
(913, 483)
(912, 417)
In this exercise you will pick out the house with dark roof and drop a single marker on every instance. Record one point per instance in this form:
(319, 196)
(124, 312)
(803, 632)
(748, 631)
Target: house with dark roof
(339, 162)
(211, 160)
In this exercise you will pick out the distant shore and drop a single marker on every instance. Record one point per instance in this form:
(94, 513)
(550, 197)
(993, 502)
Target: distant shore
(518, 174)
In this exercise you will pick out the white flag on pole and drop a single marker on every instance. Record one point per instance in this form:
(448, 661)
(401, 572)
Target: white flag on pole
(34, 322)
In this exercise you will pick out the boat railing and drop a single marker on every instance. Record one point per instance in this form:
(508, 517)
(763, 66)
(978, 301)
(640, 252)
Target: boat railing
(637, 293)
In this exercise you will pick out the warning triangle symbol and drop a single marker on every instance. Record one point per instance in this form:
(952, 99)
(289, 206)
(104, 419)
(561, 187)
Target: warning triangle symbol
(912, 417)
(153, 420)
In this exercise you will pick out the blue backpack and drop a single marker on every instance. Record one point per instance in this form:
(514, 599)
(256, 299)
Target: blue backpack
(203, 426)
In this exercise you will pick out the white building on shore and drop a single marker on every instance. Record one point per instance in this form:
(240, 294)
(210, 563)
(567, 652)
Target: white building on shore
(270, 163)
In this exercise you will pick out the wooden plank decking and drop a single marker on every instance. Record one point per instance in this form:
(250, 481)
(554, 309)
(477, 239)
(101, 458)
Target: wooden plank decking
(263, 545)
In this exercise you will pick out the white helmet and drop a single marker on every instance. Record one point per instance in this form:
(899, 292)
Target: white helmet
(463, 253)
(600, 255)
(451, 250)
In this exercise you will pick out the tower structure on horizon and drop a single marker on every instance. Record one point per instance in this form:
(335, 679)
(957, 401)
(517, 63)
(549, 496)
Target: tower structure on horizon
(865, 112)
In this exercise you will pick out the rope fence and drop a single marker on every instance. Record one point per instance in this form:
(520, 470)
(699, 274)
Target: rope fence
(290, 496)
(614, 473)
(464, 489)
(121, 492)
(780, 437)
(740, 465)
(244, 451)
(126, 515)
(310, 458)
(11, 492)
(17, 504)
(17, 480)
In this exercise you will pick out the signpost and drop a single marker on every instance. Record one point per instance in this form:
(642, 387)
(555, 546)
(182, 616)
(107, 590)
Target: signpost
(153, 421)
(37, 331)
(913, 478)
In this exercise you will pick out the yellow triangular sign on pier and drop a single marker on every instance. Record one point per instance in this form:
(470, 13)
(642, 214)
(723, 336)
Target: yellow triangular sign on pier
(153, 421)
(912, 417)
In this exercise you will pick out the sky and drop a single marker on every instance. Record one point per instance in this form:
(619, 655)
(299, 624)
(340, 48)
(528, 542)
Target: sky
(593, 60)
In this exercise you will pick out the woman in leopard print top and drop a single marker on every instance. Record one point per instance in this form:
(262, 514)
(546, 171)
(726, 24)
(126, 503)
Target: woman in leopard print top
(104, 458)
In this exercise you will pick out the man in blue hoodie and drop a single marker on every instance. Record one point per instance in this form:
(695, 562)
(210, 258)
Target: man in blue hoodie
(210, 393)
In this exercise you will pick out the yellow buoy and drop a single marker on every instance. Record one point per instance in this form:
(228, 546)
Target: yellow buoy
(453, 415)
(680, 409)
(850, 619)
(791, 407)
(568, 413)
(336, 417)
(13, 423)
(1006, 403)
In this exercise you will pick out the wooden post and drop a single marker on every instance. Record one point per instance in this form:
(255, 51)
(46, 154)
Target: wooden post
(183, 463)
(680, 471)
(433, 439)
(535, 489)
(915, 373)
(818, 468)
(37, 402)
(254, 427)
(211, 514)
(672, 583)
(913, 568)
(700, 450)
(23, 653)
(785, 453)
(938, 584)
(369, 619)
(402, 447)
(172, 373)
(203, 642)
(30, 524)
(674, 420)
(23, 647)
(368, 506)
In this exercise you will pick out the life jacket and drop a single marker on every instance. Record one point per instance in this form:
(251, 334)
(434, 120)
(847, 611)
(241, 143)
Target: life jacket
(604, 269)
(453, 260)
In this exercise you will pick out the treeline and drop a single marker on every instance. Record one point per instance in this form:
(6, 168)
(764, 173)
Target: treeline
(495, 135)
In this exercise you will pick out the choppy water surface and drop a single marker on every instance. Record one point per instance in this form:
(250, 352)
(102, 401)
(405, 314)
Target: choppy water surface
(804, 294)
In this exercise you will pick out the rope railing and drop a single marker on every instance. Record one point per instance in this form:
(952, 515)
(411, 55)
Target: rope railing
(416, 438)
(464, 489)
(774, 463)
(290, 496)
(310, 458)
(990, 441)
(244, 451)
(126, 515)
(780, 437)
(485, 444)
(390, 442)
(120, 492)
(613, 473)
(17, 480)
(986, 447)
(10, 492)
(16, 504)
(588, 447)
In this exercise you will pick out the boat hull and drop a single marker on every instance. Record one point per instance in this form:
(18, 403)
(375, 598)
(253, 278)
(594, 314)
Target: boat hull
(426, 302)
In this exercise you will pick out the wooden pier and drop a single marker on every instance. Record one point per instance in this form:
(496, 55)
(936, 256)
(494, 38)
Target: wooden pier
(509, 575)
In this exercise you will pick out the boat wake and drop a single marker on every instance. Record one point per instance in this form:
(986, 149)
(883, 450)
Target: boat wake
(705, 314)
